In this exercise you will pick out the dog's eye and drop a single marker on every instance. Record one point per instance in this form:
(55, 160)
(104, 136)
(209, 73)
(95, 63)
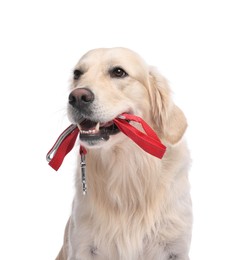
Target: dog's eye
(118, 72)
(77, 74)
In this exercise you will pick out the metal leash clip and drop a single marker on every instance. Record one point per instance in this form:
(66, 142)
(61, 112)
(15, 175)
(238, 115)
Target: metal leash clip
(60, 139)
(83, 174)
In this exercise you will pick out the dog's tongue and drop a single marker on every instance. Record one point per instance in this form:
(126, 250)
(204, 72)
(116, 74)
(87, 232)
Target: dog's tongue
(149, 142)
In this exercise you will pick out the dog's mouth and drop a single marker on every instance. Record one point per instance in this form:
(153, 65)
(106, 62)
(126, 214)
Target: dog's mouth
(91, 131)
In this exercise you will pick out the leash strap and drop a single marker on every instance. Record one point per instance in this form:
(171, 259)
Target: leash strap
(149, 142)
(62, 146)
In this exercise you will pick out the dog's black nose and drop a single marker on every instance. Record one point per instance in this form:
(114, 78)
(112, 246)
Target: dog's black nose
(80, 97)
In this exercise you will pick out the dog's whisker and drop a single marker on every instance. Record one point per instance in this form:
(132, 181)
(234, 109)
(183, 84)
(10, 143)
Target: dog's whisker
(80, 129)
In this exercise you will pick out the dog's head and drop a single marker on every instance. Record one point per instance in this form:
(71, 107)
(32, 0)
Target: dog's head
(109, 82)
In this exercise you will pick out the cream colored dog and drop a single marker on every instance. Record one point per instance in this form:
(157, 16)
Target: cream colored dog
(138, 207)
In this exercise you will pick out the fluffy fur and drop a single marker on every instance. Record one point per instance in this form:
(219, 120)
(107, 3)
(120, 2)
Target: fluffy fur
(138, 207)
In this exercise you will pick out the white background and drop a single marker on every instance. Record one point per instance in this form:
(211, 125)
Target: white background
(200, 46)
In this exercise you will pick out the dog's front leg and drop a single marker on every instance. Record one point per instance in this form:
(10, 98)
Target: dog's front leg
(63, 254)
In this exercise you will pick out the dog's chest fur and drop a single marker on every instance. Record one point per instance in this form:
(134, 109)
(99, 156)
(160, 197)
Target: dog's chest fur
(128, 212)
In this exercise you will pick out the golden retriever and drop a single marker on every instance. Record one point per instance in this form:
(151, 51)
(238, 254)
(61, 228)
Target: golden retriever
(137, 207)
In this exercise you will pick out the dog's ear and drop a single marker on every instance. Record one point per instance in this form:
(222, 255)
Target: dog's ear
(169, 120)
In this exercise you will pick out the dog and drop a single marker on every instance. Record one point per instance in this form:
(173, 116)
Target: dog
(138, 207)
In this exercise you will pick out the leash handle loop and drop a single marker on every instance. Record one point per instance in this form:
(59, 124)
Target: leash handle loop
(62, 146)
(149, 142)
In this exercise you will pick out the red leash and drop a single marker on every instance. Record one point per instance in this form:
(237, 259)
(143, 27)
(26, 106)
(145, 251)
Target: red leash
(62, 146)
(149, 142)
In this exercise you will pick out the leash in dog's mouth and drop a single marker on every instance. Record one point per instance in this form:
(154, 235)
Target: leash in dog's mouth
(90, 130)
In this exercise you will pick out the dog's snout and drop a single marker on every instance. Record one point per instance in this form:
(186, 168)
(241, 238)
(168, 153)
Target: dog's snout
(80, 97)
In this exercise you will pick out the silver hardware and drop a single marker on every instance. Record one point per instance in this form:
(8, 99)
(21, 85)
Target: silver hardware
(83, 174)
(60, 139)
